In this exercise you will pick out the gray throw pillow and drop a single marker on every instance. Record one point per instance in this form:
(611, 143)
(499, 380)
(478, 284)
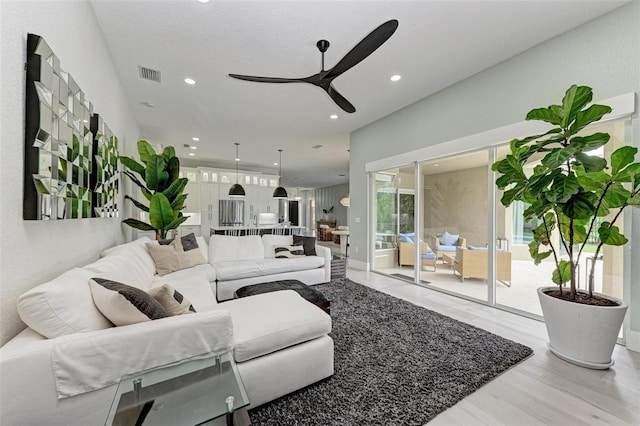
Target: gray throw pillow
(308, 244)
(189, 242)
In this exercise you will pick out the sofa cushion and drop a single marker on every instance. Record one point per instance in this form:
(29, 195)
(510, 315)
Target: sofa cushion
(172, 300)
(446, 248)
(123, 304)
(45, 308)
(404, 238)
(245, 269)
(224, 248)
(171, 257)
(204, 248)
(308, 243)
(288, 252)
(132, 265)
(285, 319)
(269, 241)
(140, 242)
(194, 283)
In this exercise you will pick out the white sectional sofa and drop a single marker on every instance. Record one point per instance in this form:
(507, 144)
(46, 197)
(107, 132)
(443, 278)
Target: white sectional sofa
(64, 368)
(246, 260)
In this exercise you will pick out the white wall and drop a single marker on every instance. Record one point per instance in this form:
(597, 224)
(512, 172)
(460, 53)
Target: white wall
(602, 54)
(34, 251)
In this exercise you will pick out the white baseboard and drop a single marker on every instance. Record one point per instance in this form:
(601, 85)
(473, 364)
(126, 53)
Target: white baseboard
(357, 264)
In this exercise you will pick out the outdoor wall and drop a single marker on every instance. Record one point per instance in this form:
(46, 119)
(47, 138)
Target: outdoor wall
(457, 203)
(330, 196)
(602, 54)
(33, 252)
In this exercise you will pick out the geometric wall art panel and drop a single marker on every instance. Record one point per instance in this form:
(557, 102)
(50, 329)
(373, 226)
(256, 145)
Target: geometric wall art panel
(60, 176)
(105, 169)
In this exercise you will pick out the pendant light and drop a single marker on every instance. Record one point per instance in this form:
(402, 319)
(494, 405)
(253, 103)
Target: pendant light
(280, 192)
(236, 190)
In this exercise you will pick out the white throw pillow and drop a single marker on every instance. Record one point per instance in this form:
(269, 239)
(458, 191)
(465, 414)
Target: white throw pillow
(123, 304)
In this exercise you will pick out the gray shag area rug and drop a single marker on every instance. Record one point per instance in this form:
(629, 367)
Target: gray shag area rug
(395, 364)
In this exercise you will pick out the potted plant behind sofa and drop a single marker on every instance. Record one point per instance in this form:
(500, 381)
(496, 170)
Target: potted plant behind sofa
(580, 196)
(158, 178)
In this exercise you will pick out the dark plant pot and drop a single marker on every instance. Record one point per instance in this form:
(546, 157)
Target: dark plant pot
(584, 335)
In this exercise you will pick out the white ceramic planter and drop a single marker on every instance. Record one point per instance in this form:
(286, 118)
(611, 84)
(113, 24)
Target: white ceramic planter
(582, 334)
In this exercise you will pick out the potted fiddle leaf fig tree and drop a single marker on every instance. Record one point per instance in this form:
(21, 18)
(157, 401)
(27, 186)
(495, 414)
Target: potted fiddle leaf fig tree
(158, 177)
(576, 198)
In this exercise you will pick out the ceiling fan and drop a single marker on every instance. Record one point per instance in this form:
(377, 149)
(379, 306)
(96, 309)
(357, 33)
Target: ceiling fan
(323, 79)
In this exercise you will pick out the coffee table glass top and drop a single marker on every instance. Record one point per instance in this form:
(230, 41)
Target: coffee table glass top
(193, 392)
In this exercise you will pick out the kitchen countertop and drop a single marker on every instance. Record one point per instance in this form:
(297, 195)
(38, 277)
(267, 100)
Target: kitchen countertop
(224, 228)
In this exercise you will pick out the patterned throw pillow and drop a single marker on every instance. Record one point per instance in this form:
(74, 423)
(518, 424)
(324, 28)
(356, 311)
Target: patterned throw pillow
(172, 300)
(288, 252)
(448, 239)
(122, 304)
(308, 244)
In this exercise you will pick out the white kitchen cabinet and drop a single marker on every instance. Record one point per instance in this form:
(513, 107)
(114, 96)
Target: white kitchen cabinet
(186, 230)
(192, 204)
(209, 197)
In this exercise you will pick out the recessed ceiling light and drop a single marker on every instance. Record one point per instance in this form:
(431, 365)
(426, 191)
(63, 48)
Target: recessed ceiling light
(204, 1)
(436, 165)
(195, 139)
(190, 81)
(333, 117)
(194, 147)
(275, 164)
(237, 159)
(396, 77)
(191, 154)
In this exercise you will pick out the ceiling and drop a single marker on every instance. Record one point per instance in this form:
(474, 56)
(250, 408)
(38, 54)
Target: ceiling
(437, 44)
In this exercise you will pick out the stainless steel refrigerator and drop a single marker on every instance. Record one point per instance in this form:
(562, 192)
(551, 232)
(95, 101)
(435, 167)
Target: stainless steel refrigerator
(231, 213)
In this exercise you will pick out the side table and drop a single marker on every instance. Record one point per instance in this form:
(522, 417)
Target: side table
(195, 391)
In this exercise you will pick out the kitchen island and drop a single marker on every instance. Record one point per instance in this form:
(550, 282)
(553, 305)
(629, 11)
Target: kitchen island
(258, 230)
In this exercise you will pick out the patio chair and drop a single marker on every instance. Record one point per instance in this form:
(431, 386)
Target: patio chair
(406, 254)
(472, 262)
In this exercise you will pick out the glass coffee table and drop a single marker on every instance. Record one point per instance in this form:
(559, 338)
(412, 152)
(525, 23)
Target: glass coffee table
(193, 392)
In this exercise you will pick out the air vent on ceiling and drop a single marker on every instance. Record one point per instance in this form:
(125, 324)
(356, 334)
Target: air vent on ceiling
(316, 146)
(149, 74)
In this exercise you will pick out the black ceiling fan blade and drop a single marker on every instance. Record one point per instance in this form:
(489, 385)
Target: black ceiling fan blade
(266, 79)
(366, 47)
(340, 100)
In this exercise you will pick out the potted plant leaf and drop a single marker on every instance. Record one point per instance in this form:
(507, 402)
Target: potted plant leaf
(158, 177)
(576, 198)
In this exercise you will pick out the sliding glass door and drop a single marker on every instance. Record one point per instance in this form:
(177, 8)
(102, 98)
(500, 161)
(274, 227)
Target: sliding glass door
(465, 242)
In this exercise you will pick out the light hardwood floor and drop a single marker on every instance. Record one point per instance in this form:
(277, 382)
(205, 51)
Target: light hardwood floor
(542, 390)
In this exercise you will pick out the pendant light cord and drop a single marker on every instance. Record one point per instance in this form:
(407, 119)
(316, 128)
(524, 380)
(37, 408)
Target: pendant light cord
(237, 160)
